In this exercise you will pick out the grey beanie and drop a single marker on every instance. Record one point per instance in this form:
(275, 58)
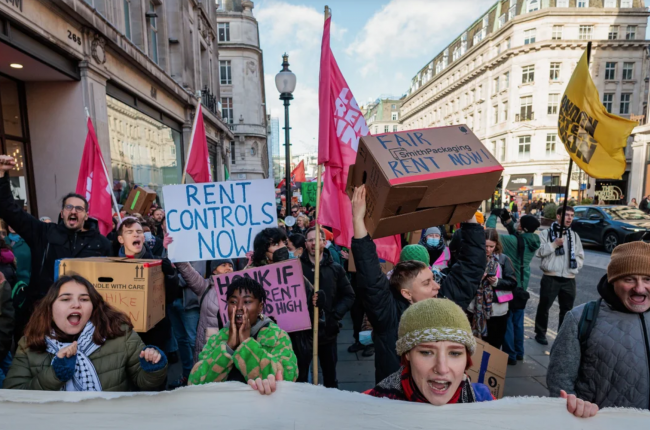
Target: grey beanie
(216, 263)
(432, 230)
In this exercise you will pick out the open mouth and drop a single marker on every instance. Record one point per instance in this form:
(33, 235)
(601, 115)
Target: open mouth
(74, 318)
(72, 219)
(638, 299)
(137, 243)
(439, 386)
(239, 318)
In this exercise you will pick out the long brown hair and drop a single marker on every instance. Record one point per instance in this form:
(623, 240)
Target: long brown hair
(493, 235)
(107, 320)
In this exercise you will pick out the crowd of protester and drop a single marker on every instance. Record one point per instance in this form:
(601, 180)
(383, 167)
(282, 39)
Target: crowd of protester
(425, 313)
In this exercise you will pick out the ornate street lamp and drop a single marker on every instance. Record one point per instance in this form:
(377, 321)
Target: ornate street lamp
(285, 82)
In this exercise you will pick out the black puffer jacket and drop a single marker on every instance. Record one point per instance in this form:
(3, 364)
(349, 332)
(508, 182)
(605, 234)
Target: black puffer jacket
(384, 306)
(336, 287)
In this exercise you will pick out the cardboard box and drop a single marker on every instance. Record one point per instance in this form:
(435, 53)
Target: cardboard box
(420, 178)
(489, 367)
(140, 201)
(136, 287)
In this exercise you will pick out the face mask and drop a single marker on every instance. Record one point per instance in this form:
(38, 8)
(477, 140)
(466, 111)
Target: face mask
(291, 255)
(432, 242)
(281, 254)
(148, 236)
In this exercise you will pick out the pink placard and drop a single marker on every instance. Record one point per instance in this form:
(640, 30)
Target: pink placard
(286, 299)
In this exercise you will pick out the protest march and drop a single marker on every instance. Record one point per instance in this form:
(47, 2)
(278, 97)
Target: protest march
(400, 276)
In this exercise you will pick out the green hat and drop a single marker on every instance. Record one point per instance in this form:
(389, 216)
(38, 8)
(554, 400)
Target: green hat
(434, 320)
(415, 253)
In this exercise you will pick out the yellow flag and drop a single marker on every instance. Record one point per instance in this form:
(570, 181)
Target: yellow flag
(594, 138)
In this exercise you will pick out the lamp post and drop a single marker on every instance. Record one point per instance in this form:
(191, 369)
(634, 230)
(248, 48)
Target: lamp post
(285, 82)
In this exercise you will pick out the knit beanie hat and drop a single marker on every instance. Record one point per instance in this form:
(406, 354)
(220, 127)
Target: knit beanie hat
(434, 320)
(432, 230)
(415, 253)
(631, 258)
(216, 263)
(529, 223)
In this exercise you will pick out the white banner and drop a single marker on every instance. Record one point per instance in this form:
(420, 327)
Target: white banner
(217, 219)
(232, 406)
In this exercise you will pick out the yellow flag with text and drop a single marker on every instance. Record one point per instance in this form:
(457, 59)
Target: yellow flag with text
(594, 138)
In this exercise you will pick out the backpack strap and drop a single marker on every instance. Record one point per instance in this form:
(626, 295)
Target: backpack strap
(588, 321)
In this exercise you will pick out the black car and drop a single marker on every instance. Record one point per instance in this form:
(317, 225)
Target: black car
(610, 226)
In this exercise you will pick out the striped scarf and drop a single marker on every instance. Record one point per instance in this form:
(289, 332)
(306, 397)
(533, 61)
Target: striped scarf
(85, 376)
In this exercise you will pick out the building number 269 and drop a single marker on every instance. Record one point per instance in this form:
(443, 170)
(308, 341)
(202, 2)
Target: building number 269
(74, 37)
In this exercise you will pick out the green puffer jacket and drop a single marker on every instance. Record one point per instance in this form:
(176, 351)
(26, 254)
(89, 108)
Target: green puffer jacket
(117, 364)
(531, 245)
(264, 353)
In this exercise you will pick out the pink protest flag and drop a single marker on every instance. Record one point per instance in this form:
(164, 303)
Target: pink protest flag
(93, 183)
(198, 158)
(341, 124)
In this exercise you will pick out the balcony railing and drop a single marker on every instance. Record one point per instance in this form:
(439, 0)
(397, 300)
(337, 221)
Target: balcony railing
(241, 128)
(210, 102)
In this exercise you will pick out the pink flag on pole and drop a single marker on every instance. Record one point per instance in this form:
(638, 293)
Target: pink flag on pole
(341, 124)
(93, 184)
(198, 160)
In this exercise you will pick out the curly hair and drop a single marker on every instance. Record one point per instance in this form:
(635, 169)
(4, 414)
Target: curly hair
(250, 285)
(107, 320)
(265, 239)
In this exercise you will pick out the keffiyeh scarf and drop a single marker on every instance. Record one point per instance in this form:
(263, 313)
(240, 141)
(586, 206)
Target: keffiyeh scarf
(554, 233)
(85, 376)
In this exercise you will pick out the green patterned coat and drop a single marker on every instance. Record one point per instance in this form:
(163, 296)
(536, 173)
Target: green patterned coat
(266, 351)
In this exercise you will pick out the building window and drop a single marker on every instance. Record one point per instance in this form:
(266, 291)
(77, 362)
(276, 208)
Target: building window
(550, 144)
(504, 113)
(526, 108)
(630, 33)
(495, 114)
(502, 20)
(127, 19)
(393, 107)
(226, 110)
(585, 32)
(455, 55)
(153, 33)
(553, 102)
(610, 3)
(493, 147)
(527, 74)
(224, 31)
(613, 32)
(506, 80)
(557, 32)
(529, 36)
(610, 71)
(495, 85)
(582, 3)
(502, 150)
(562, 3)
(555, 71)
(512, 12)
(385, 129)
(233, 148)
(608, 101)
(225, 72)
(628, 69)
(624, 3)
(533, 5)
(625, 104)
(394, 128)
(524, 147)
(393, 116)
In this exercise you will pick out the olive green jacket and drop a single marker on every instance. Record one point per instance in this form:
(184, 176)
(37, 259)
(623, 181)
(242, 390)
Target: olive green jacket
(117, 364)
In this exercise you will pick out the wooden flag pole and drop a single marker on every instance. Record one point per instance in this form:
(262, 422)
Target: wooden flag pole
(189, 150)
(317, 258)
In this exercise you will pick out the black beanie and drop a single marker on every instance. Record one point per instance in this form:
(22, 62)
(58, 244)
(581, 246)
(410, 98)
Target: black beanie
(529, 223)
(216, 263)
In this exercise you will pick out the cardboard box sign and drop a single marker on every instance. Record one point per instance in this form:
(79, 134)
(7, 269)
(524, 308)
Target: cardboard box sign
(136, 287)
(140, 201)
(421, 178)
(489, 367)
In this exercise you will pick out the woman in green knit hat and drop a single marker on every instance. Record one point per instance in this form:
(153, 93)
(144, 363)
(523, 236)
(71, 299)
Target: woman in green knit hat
(436, 345)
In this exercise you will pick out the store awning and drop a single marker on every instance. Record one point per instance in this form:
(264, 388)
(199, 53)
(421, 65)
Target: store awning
(518, 181)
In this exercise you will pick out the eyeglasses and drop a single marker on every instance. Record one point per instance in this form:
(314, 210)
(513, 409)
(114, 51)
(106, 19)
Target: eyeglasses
(76, 208)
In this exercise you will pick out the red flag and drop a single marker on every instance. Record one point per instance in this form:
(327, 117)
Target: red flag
(93, 182)
(198, 160)
(341, 124)
(297, 175)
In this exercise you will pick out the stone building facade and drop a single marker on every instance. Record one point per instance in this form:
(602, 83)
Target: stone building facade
(136, 66)
(504, 77)
(382, 115)
(243, 101)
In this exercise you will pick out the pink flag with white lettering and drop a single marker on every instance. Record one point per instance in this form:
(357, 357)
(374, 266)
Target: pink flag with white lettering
(341, 124)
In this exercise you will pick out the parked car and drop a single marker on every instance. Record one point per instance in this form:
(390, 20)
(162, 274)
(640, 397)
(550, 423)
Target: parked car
(610, 225)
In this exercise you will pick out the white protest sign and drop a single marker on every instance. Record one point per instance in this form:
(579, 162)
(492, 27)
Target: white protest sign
(217, 219)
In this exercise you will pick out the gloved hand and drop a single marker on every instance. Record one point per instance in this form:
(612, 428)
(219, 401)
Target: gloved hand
(505, 216)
